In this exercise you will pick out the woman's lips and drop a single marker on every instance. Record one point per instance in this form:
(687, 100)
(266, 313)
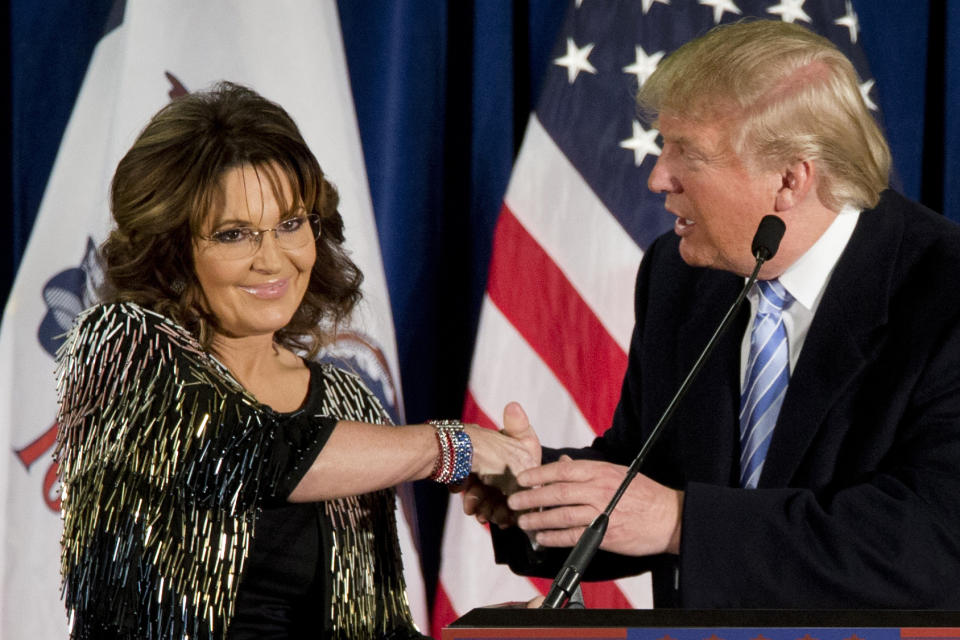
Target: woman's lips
(268, 290)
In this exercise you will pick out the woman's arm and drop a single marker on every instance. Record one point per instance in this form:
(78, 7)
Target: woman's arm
(360, 457)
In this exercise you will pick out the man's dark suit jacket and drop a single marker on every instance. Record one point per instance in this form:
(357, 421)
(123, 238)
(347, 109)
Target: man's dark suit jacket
(859, 501)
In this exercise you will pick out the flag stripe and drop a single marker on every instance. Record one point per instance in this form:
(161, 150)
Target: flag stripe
(549, 313)
(626, 593)
(443, 611)
(467, 554)
(607, 594)
(485, 583)
(573, 227)
(473, 413)
(499, 346)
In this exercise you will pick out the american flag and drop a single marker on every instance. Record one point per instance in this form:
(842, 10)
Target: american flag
(557, 314)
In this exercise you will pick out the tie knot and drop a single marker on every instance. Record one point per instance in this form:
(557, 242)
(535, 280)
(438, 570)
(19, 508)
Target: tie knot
(773, 296)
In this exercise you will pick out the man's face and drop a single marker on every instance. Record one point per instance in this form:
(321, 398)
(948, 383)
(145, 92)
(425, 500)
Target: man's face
(718, 199)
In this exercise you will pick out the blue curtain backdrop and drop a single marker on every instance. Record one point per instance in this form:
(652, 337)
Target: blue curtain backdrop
(442, 90)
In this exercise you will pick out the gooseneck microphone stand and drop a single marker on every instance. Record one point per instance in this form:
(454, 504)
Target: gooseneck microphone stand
(765, 243)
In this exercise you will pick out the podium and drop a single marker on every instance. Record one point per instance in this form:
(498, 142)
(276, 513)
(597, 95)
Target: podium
(728, 624)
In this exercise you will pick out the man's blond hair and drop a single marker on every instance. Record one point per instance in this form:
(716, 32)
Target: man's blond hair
(790, 94)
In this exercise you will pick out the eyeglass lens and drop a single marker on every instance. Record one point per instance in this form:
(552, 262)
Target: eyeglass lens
(292, 233)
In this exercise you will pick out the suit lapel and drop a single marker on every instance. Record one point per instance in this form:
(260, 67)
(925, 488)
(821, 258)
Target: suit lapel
(708, 414)
(838, 344)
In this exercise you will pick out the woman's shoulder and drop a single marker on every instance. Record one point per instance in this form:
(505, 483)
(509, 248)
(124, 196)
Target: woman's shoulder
(130, 323)
(334, 373)
(345, 387)
(107, 315)
(124, 337)
(337, 380)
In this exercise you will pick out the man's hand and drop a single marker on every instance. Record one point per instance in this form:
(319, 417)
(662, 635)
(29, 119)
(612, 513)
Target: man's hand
(484, 494)
(485, 503)
(567, 495)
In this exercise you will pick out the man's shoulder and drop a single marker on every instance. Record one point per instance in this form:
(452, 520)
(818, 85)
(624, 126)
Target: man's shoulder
(892, 200)
(919, 221)
(921, 234)
(906, 254)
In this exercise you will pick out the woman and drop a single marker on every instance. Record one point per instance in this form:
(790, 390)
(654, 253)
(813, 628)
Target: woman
(216, 482)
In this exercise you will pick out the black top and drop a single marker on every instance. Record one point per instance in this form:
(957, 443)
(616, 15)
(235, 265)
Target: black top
(282, 587)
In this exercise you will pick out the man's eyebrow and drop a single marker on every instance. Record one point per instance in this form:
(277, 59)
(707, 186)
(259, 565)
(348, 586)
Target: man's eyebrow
(680, 139)
(689, 143)
(684, 141)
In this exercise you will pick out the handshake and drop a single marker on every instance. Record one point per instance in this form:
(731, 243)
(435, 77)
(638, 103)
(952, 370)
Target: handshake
(555, 502)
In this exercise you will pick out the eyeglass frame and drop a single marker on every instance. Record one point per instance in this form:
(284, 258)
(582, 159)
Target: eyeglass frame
(310, 218)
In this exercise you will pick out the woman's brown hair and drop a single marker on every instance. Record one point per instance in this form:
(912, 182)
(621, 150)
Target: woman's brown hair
(167, 184)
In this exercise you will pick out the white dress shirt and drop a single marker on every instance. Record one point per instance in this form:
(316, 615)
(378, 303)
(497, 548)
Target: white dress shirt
(805, 280)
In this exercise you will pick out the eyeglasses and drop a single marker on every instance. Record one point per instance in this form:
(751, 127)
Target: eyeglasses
(242, 242)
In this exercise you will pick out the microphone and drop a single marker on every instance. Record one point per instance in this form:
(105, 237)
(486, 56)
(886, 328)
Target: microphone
(765, 243)
(766, 240)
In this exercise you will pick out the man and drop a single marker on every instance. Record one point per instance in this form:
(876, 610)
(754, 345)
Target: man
(815, 462)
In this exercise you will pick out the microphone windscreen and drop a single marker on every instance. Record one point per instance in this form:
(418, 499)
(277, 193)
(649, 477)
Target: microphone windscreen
(766, 240)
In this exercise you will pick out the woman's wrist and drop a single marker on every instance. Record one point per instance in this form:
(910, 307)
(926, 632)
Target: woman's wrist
(455, 455)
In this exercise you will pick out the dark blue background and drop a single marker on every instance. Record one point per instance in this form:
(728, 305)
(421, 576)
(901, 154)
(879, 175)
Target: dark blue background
(442, 91)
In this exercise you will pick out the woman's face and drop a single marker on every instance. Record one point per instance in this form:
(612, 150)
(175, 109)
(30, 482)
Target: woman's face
(255, 294)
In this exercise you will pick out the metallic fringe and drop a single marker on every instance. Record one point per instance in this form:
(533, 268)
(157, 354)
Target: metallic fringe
(163, 457)
(369, 595)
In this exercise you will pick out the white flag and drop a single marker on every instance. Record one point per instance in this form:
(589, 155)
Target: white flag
(289, 52)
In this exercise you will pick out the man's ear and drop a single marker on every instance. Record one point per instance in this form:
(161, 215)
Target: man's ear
(797, 180)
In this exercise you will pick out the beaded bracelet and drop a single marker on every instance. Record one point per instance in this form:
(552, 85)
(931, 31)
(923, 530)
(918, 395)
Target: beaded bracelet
(456, 452)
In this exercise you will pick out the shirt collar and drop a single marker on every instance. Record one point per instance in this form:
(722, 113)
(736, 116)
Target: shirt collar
(806, 278)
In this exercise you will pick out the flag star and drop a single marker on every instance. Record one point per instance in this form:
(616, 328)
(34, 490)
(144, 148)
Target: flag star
(642, 143)
(790, 10)
(865, 92)
(719, 6)
(649, 3)
(850, 21)
(644, 65)
(576, 60)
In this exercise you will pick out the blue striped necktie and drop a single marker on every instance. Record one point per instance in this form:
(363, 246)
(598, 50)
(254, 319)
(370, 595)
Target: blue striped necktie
(765, 385)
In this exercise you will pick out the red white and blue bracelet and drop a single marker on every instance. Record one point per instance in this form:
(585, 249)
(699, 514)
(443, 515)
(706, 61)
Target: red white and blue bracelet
(456, 452)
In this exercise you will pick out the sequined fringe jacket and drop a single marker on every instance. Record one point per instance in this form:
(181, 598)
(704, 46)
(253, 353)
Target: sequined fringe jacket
(164, 460)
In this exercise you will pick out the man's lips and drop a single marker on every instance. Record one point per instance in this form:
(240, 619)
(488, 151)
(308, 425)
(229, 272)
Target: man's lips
(268, 290)
(682, 226)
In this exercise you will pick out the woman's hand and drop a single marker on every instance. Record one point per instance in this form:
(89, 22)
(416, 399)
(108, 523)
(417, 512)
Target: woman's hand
(497, 459)
(499, 456)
